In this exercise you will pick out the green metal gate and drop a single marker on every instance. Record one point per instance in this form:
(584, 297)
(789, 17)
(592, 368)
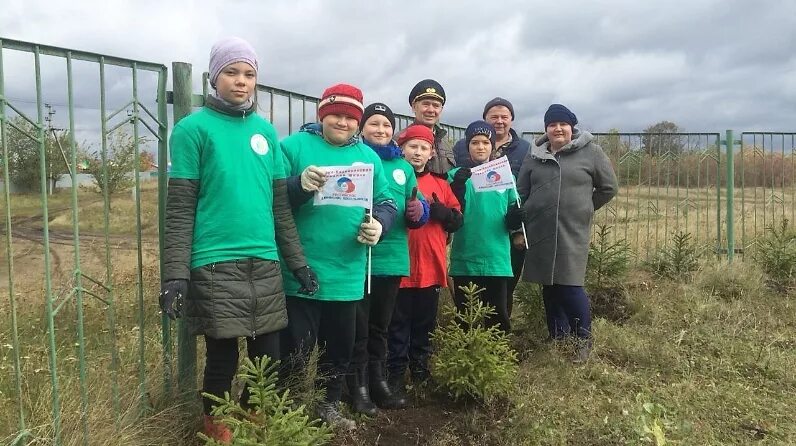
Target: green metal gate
(89, 311)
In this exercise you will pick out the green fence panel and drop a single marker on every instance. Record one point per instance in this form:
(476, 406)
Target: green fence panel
(50, 335)
(764, 176)
(668, 182)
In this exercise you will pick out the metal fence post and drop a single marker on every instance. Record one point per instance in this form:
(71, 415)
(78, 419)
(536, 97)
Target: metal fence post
(186, 344)
(730, 144)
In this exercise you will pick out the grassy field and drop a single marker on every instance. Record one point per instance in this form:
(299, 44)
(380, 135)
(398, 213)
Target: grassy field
(703, 362)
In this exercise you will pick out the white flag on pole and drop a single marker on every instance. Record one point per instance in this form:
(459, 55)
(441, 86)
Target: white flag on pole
(494, 175)
(347, 186)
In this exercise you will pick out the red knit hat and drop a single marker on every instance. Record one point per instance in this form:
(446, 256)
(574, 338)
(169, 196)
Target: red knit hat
(415, 131)
(341, 99)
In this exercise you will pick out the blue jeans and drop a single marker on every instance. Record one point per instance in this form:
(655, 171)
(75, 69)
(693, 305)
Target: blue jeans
(567, 311)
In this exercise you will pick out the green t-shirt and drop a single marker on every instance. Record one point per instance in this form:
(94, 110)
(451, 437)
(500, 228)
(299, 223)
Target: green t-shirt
(329, 232)
(391, 254)
(481, 247)
(235, 160)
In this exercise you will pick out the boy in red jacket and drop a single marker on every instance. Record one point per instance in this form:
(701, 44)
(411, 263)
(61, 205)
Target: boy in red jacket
(415, 312)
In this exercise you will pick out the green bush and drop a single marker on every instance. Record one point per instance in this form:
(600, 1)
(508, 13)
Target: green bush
(608, 260)
(776, 255)
(678, 260)
(470, 359)
(272, 418)
(607, 268)
(529, 305)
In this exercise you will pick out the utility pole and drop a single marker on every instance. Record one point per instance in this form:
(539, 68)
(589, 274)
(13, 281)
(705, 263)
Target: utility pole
(49, 120)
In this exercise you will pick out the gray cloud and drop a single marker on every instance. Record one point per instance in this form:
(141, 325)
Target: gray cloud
(707, 65)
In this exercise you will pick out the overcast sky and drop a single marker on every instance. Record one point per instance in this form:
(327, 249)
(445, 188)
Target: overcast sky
(707, 65)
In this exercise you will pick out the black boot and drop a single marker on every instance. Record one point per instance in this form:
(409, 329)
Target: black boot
(397, 385)
(383, 394)
(357, 383)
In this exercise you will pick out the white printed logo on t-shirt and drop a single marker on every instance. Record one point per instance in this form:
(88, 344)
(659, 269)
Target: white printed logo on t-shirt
(259, 144)
(399, 176)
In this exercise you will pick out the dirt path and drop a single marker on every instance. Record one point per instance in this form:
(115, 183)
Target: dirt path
(28, 244)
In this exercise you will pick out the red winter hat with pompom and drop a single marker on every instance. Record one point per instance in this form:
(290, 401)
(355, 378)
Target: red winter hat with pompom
(341, 99)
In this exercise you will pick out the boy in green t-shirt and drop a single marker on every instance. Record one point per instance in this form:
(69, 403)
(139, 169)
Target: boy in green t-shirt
(226, 215)
(335, 239)
(481, 249)
(367, 378)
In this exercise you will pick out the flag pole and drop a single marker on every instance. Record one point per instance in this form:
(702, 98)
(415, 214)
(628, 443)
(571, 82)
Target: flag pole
(517, 194)
(524, 236)
(370, 249)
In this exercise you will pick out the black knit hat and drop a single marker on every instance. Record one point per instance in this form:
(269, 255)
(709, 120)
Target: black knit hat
(377, 108)
(499, 101)
(480, 128)
(427, 88)
(559, 113)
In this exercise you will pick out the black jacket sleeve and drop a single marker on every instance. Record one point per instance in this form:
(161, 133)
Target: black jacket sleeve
(459, 190)
(287, 238)
(385, 213)
(295, 192)
(178, 236)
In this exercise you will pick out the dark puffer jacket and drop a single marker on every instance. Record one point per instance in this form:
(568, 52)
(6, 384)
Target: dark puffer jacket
(235, 298)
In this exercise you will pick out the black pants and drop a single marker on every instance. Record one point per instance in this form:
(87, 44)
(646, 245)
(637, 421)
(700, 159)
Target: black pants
(222, 363)
(330, 325)
(517, 260)
(373, 319)
(494, 295)
(409, 338)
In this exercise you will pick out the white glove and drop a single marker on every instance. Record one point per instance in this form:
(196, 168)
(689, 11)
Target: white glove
(369, 232)
(312, 179)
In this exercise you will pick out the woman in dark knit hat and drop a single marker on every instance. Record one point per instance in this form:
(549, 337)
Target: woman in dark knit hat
(564, 178)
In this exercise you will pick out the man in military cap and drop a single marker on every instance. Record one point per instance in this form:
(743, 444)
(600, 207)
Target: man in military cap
(427, 99)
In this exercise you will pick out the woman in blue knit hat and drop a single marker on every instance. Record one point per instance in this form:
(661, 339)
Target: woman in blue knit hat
(563, 180)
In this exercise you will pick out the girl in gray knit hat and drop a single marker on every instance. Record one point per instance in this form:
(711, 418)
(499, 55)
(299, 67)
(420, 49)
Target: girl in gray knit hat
(228, 225)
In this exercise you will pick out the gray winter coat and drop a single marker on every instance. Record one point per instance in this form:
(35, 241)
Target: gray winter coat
(560, 194)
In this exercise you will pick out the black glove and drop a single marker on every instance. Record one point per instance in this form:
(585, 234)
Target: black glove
(514, 217)
(172, 293)
(307, 279)
(458, 185)
(437, 210)
(461, 176)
